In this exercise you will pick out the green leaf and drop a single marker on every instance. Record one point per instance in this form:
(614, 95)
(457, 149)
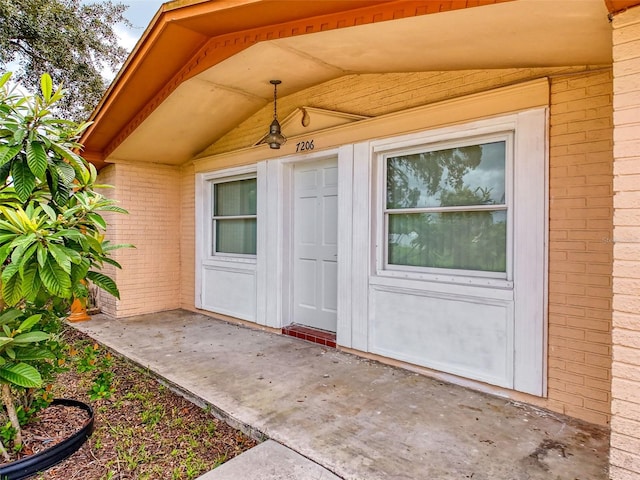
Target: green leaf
(23, 180)
(8, 272)
(9, 315)
(94, 243)
(68, 233)
(52, 180)
(77, 162)
(42, 255)
(7, 226)
(29, 323)
(93, 173)
(66, 172)
(4, 341)
(97, 220)
(30, 337)
(26, 257)
(10, 352)
(60, 257)
(24, 240)
(34, 353)
(37, 159)
(31, 283)
(55, 279)
(57, 96)
(49, 211)
(28, 263)
(80, 290)
(22, 375)
(19, 134)
(79, 271)
(111, 261)
(5, 78)
(74, 256)
(104, 282)
(17, 218)
(6, 330)
(8, 153)
(11, 282)
(113, 208)
(61, 193)
(46, 87)
(22, 244)
(4, 253)
(5, 235)
(5, 170)
(12, 290)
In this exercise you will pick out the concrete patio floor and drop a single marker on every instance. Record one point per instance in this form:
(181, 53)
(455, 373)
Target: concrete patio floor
(357, 418)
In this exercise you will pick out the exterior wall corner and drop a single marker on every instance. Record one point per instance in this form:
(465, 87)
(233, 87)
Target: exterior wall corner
(625, 425)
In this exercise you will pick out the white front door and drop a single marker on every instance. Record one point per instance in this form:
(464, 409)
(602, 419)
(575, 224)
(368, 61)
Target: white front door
(315, 245)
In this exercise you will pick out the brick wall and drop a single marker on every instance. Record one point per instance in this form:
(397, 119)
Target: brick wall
(625, 424)
(150, 277)
(187, 238)
(106, 302)
(580, 245)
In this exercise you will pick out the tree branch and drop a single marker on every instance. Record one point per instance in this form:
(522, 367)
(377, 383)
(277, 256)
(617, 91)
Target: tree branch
(7, 399)
(27, 51)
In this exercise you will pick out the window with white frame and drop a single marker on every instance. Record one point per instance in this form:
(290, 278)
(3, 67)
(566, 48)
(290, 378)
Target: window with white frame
(234, 217)
(446, 207)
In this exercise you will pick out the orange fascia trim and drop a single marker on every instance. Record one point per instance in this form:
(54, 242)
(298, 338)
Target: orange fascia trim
(617, 6)
(120, 122)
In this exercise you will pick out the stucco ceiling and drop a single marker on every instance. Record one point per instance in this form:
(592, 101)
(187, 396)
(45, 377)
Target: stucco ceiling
(523, 33)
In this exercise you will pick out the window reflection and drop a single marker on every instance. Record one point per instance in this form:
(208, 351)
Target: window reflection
(446, 235)
(471, 175)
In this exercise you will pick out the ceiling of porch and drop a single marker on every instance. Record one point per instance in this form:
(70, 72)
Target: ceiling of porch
(208, 102)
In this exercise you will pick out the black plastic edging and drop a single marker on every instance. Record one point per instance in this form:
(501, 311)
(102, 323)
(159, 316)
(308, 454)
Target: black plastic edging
(38, 462)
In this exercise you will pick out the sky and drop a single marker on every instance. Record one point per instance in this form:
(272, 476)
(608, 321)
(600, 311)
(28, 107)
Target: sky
(139, 13)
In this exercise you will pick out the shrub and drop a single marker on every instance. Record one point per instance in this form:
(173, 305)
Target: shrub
(52, 240)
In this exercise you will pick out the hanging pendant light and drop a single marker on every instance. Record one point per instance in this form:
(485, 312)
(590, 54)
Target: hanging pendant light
(275, 137)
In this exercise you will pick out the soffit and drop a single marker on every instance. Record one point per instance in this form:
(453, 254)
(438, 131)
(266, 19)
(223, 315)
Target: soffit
(206, 105)
(186, 36)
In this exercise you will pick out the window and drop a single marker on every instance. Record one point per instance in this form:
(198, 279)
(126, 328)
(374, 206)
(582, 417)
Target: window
(234, 217)
(447, 208)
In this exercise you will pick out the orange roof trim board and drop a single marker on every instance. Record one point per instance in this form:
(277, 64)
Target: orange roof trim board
(188, 37)
(617, 6)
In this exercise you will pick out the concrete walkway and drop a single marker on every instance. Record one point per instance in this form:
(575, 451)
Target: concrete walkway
(356, 418)
(269, 461)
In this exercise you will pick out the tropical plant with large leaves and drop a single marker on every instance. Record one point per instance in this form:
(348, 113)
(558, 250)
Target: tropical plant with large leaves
(52, 235)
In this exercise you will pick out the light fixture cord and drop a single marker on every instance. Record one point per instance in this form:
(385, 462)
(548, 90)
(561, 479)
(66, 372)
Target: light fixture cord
(275, 102)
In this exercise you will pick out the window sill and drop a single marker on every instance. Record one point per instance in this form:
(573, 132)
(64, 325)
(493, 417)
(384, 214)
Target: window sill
(214, 259)
(387, 276)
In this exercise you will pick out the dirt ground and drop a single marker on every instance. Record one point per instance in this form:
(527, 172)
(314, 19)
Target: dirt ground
(142, 429)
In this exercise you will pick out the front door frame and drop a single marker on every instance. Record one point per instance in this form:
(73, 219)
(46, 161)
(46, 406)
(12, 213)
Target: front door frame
(288, 166)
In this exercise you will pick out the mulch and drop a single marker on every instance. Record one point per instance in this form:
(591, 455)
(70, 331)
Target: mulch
(52, 425)
(143, 431)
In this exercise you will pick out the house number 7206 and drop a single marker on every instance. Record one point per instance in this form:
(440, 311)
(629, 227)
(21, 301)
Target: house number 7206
(302, 146)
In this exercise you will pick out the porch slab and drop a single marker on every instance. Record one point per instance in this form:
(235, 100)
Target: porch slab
(357, 418)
